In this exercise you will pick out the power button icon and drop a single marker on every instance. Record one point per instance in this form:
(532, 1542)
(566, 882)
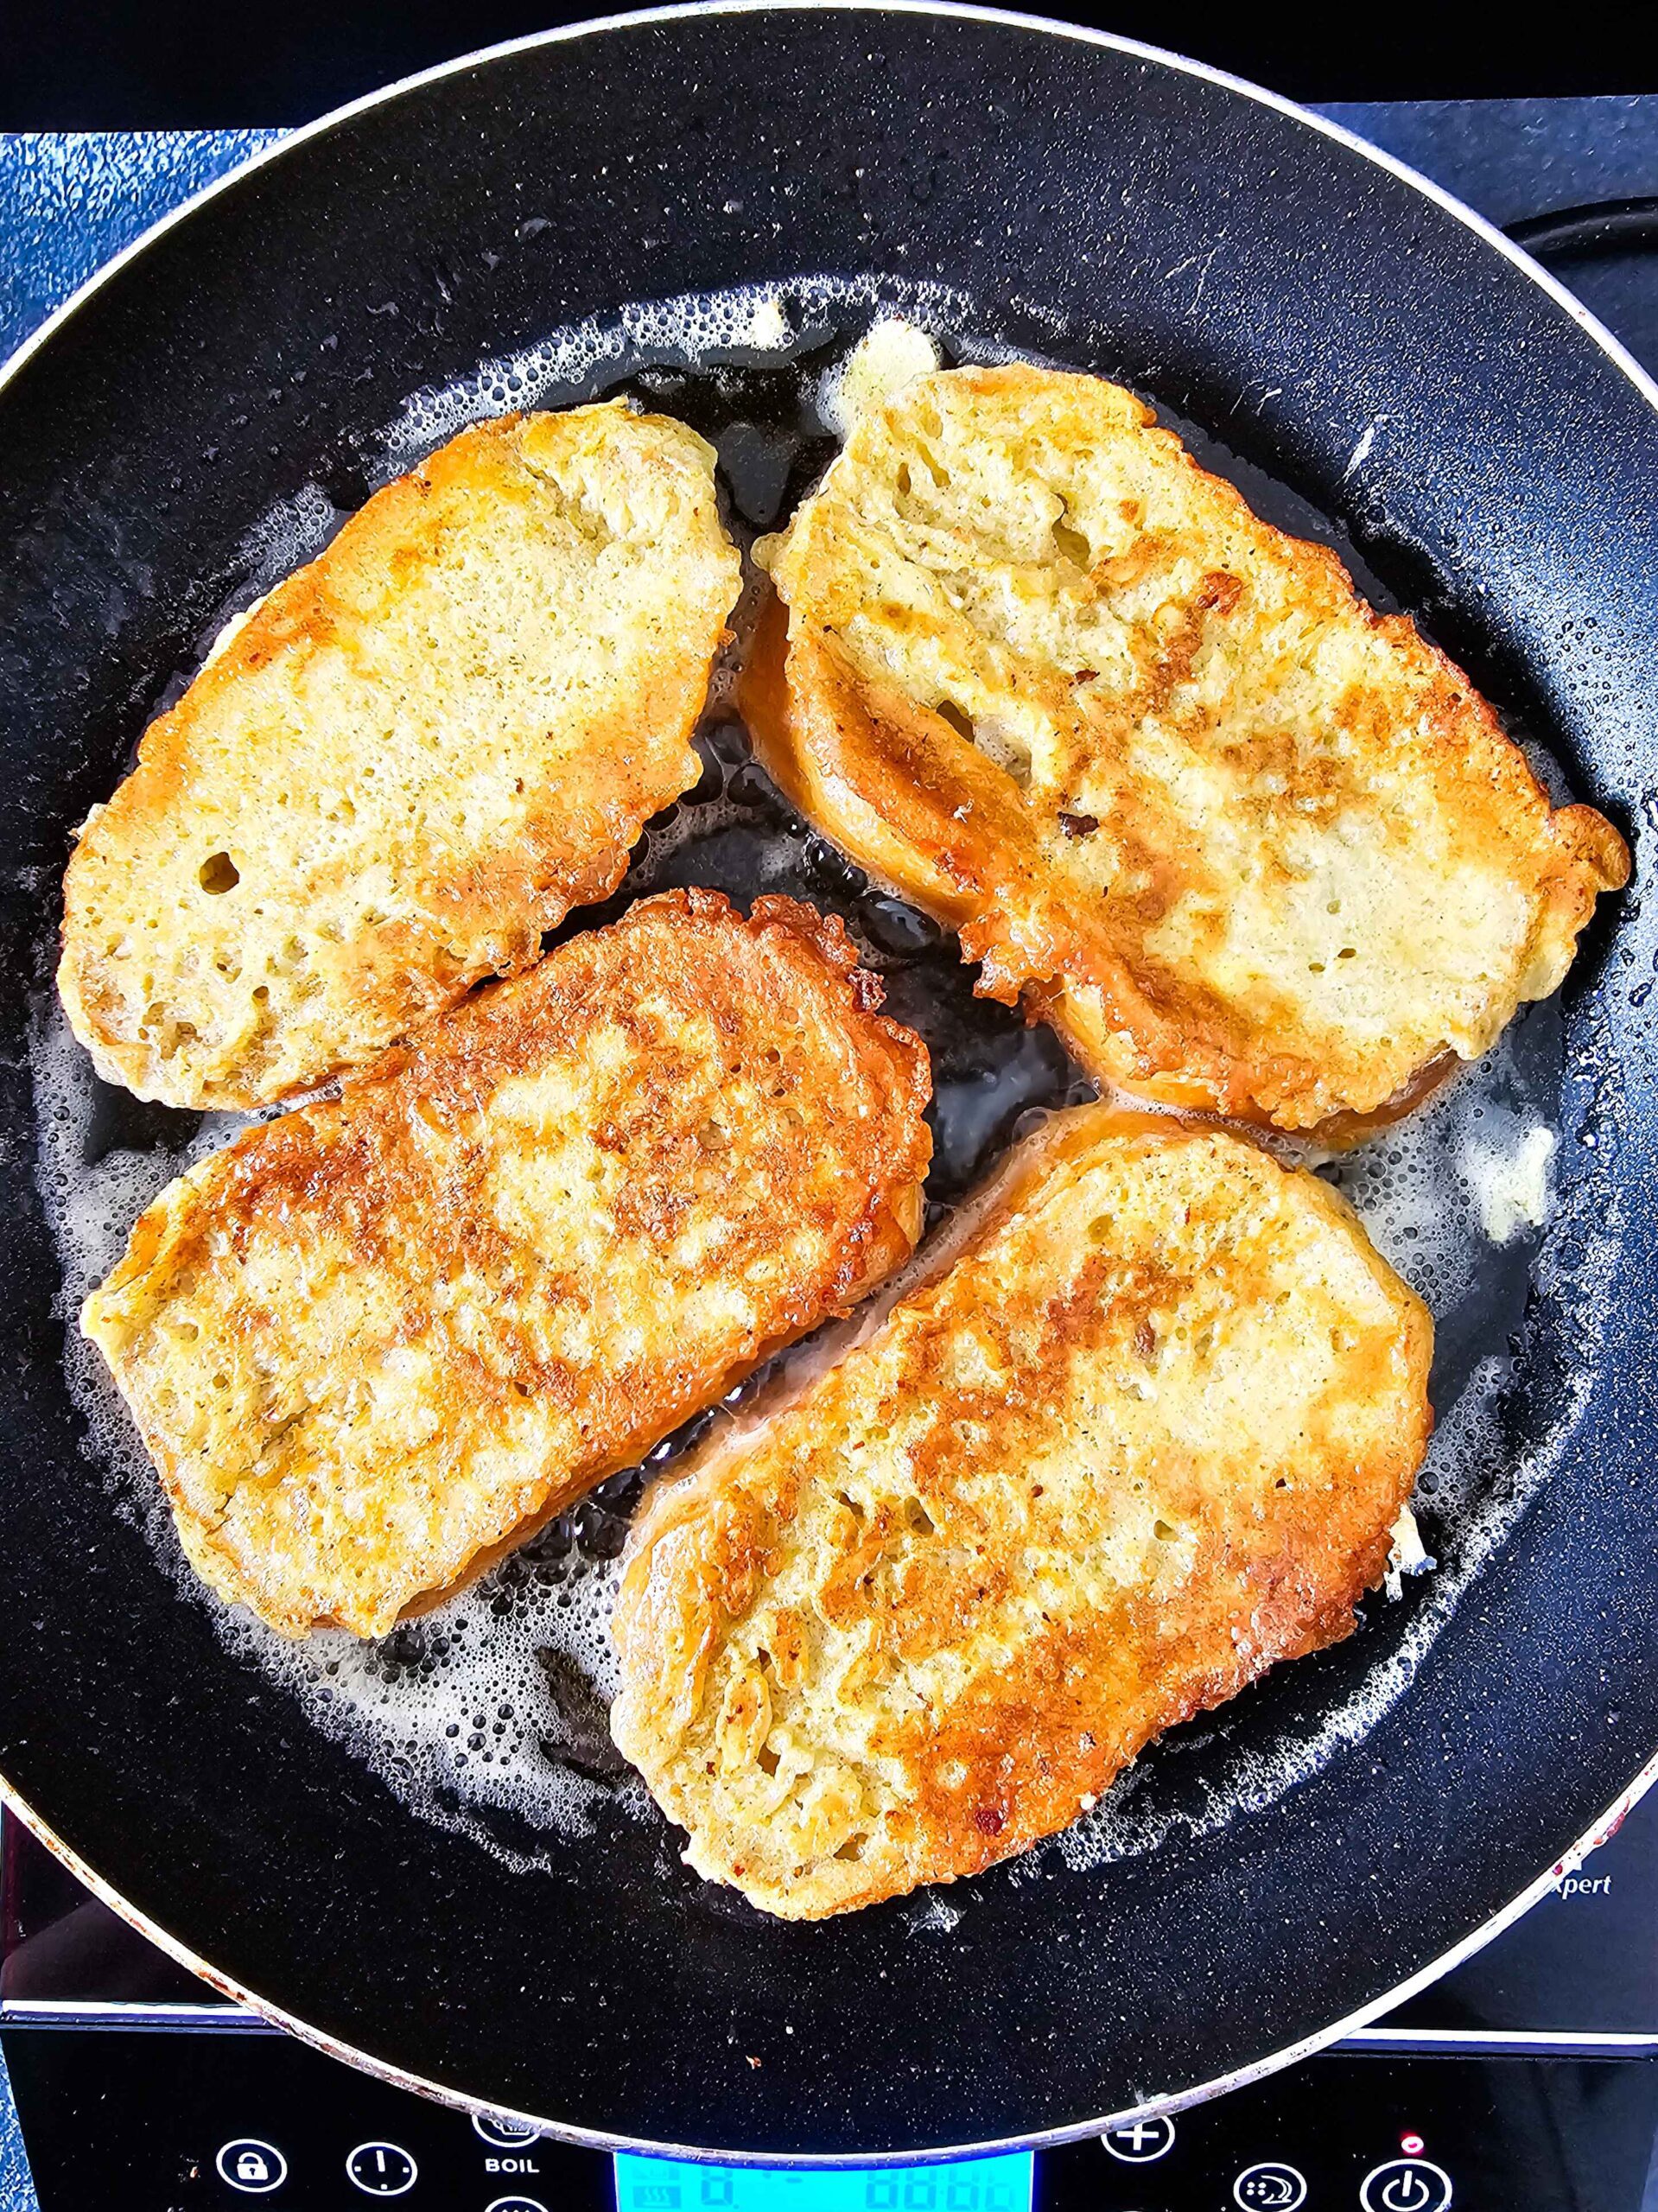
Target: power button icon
(1405, 2186)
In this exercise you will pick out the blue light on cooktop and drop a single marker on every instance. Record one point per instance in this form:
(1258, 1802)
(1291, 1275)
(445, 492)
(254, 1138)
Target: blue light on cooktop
(998, 2184)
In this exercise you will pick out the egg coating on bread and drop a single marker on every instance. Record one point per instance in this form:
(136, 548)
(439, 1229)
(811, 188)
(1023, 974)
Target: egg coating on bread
(1148, 1434)
(1250, 845)
(375, 1341)
(408, 763)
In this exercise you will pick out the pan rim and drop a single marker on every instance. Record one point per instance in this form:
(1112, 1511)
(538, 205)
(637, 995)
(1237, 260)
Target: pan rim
(602, 2139)
(1646, 1776)
(963, 10)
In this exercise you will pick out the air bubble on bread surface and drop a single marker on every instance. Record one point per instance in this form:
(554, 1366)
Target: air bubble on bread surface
(412, 1708)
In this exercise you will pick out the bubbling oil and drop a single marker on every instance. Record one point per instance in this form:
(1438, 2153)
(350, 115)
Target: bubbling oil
(489, 1714)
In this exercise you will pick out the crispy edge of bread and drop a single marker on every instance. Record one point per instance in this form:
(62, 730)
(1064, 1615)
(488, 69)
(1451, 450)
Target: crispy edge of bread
(680, 1512)
(305, 606)
(815, 945)
(941, 824)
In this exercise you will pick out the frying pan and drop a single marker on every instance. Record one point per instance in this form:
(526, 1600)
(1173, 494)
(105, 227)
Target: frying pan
(1492, 456)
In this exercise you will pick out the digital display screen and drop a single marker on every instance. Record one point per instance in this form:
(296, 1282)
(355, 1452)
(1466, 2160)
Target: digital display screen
(998, 2184)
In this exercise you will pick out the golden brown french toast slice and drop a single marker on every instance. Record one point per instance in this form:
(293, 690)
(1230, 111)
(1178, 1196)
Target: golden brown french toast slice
(412, 758)
(378, 1339)
(1250, 846)
(1148, 1434)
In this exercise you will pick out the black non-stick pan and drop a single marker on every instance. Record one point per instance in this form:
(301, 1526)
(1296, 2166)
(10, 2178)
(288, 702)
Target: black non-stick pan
(1372, 364)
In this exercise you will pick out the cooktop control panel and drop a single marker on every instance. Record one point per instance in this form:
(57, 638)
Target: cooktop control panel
(208, 2123)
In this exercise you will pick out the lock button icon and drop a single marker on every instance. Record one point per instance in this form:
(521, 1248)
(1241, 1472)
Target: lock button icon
(251, 2168)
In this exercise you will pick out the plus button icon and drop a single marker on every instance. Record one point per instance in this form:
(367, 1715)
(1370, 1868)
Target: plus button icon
(1139, 2141)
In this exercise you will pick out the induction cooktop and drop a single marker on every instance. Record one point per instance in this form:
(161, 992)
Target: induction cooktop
(1521, 2080)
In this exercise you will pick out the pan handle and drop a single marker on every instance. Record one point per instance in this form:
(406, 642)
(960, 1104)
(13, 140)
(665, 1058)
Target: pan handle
(1602, 226)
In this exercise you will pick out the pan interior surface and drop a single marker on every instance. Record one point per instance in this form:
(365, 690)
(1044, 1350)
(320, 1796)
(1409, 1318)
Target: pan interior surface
(497, 1896)
(489, 1715)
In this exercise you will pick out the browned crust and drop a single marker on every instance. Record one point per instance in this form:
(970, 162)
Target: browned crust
(914, 800)
(359, 1168)
(1052, 1727)
(486, 915)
